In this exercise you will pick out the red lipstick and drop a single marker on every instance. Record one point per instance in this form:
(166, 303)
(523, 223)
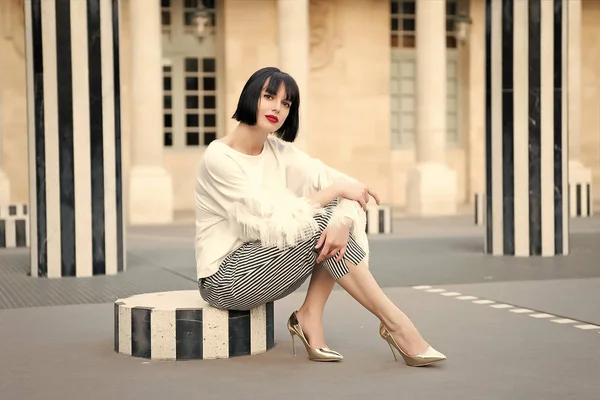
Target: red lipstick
(272, 119)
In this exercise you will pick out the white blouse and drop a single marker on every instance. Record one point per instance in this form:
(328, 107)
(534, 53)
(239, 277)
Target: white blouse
(241, 198)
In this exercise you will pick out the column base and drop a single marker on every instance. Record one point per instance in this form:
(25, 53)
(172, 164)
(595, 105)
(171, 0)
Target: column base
(4, 189)
(150, 196)
(431, 190)
(580, 190)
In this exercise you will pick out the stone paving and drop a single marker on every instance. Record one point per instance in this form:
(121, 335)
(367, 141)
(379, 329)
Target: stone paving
(512, 328)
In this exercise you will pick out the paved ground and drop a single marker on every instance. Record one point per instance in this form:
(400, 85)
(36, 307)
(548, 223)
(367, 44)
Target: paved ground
(512, 328)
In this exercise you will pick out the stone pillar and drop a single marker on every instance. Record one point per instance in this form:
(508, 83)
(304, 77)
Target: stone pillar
(431, 184)
(526, 129)
(580, 177)
(74, 129)
(4, 182)
(150, 190)
(294, 56)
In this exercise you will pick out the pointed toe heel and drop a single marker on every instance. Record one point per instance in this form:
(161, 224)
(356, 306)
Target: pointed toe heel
(426, 357)
(323, 354)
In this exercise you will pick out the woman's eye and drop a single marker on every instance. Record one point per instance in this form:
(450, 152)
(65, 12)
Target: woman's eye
(288, 105)
(268, 96)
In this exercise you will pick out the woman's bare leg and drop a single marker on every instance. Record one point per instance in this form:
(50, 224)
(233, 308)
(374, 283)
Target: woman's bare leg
(310, 314)
(361, 285)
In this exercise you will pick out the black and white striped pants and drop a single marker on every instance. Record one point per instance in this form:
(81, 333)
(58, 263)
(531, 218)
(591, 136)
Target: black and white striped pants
(253, 275)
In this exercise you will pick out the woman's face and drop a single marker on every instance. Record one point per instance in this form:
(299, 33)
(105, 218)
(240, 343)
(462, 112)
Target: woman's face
(273, 109)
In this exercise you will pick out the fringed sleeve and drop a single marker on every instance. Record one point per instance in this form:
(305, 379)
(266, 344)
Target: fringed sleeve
(306, 174)
(275, 218)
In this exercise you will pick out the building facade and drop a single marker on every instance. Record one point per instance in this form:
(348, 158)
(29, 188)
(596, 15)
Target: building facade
(393, 93)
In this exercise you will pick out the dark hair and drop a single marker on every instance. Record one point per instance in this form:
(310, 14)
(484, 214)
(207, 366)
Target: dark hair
(248, 103)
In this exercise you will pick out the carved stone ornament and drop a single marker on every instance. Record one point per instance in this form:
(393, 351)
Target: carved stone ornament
(324, 37)
(12, 21)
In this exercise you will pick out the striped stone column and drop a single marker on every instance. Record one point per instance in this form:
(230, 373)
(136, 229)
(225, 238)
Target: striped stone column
(74, 127)
(526, 136)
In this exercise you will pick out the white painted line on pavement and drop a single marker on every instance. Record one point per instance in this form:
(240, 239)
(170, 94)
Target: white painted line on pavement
(436, 290)
(520, 310)
(466, 298)
(422, 287)
(484, 302)
(501, 306)
(587, 327)
(542, 315)
(450, 294)
(563, 321)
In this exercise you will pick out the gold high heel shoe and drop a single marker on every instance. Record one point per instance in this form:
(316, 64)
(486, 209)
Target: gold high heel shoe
(426, 357)
(320, 354)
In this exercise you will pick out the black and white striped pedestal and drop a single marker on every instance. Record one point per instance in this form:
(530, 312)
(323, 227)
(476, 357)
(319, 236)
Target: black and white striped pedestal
(13, 210)
(580, 200)
(74, 125)
(379, 220)
(179, 325)
(526, 136)
(14, 232)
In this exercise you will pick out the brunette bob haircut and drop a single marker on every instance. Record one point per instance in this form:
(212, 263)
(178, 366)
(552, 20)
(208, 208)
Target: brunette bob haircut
(247, 107)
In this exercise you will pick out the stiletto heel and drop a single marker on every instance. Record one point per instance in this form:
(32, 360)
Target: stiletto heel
(293, 344)
(426, 357)
(320, 354)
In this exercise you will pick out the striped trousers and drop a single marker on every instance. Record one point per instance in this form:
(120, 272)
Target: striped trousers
(253, 275)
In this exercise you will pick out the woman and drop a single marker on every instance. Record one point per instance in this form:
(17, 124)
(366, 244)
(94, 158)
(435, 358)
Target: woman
(268, 216)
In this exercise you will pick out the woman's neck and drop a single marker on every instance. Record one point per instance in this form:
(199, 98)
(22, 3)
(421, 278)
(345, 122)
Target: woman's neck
(246, 139)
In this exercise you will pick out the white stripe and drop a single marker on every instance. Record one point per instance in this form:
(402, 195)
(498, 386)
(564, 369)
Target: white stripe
(125, 330)
(542, 315)
(547, 127)
(450, 294)
(81, 140)
(521, 126)
(215, 329)
(563, 321)
(520, 311)
(565, 133)
(162, 334)
(466, 298)
(53, 226)
(496, 88)
(436, 290)
(258, 330)
(587, 327)
(422, 287)
(108, 137)
(501, 306)
(33, 212)
(483, 302)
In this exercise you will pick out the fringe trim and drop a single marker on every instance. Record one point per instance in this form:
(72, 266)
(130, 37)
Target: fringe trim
(275, 220)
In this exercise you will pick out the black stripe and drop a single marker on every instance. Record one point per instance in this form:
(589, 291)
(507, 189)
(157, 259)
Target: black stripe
(20, 233)
(188, 334)
(381, 220)
(488, 126)
(117, 111)
(12, 210)
(40, 141)
(239, 333)
(578, 199)
(2, 233)
(141, 337)
(559, 146)
(65, 136)
(508, 172)
(367, 223)
(96, 140)
(476, 209)
(25, 211)
(116, 327)
(588, 200)
(270, 325)
(535, 128)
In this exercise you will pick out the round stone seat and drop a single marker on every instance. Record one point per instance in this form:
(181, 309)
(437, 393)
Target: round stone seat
(180, 325)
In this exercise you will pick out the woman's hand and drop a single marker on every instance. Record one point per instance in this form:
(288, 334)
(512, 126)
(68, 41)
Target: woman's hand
(333, 240)
(357, 192)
